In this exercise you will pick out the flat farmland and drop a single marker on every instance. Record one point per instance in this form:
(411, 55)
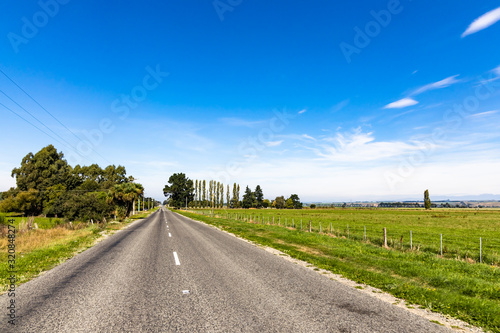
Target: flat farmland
(463, 230)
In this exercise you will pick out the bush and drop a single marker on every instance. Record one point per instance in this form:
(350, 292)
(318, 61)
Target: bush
(3, 220)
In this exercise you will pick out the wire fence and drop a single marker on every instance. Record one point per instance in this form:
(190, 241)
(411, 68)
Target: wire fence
(472, 249)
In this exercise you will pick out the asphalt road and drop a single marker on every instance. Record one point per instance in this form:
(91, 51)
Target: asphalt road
(168, 273)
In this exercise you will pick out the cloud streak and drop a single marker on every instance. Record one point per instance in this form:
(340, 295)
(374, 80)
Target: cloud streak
(402, 103)
(437, 85)
(483, 22)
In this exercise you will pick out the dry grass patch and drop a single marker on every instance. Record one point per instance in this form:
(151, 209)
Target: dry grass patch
(40, 238)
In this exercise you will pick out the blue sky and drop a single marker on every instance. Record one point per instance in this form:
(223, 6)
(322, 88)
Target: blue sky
(335, 101)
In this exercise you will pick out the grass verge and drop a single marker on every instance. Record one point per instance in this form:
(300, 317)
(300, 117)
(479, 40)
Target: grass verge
(451, 287)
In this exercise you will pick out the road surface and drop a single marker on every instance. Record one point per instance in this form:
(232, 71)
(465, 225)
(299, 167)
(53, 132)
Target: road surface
(168, 273)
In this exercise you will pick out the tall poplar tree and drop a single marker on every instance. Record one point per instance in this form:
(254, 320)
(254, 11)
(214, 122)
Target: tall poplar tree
(204, 193)
(196, 193)
(221, 195)
(228, 197)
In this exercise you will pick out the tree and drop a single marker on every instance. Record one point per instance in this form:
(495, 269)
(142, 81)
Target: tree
(179, 190)
(238, 195)
(228, 197)
(38, 172)
(221, 204)
(199, 195)
(125, 195)
(312, 206)
(296, 201)
(44, 169)
(247, 201)
(196, 193)
(234, 201)
(217, 195)
(279, 202)
(266, 203)
(427, 200)
(289, 203)
(204, 193)
(259, 196)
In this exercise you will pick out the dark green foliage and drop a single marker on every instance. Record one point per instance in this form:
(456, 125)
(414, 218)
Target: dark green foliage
(259, 197)
(279, 202)
(47, 184)
(296, 204)
(179, 189)
(427, 200)
(248, 198)
(312, 206)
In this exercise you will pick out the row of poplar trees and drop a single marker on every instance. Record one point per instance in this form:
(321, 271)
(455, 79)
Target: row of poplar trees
(211, 194)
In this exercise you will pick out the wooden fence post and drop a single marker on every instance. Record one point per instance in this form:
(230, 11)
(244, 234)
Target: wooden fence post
(385, 237)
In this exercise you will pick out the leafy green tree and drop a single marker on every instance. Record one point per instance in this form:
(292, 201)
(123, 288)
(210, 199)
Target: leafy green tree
(296, 201)
(248, 198)
(125, 195)
(289, 203)
(235, 199)
(178, 190)
(42, 170)
(221, 205)
(228, 197)
(196, 193)
(204, 192)
(266, 203)
(427, 200)
(279, 202)
(312, 206)
(259, 196)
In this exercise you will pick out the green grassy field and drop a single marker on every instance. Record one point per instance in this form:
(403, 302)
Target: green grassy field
(465, 290)
(461, 228)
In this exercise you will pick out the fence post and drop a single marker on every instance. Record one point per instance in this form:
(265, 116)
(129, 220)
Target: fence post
(320, 226)
(331, 228)
(293, 223)
(309, 225)
(279, 220)
(300, 224)
(365, 232)
(385, 237)
(273, 219)
(411, 240)
(441, 244)
(348, 231)
(480, 250)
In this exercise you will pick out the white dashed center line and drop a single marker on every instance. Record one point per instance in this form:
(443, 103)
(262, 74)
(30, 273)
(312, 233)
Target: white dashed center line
(176, 258)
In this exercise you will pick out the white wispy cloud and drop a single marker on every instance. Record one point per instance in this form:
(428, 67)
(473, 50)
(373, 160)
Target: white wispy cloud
(483, 22)
(437, 85)
(302, 111)
(409, 101)
(339, 106)
(359, 146)
(496, 70)
(402, 103)
(274, 143)
(484, 114)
